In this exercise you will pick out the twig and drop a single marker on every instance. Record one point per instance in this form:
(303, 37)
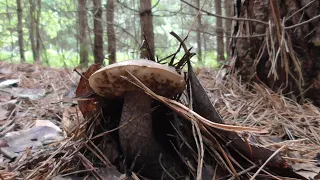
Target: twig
(163, 168)
(79, 171)
(229, 18)
(196, 18)
(187, 55)
(137, 10)
(236, 37)
(243, 172)
(304, 22)
(178, 50)
(104, 159)
(224, 154)
(265, 163)
(151, 56)
(199, 143)
(80, 74)
(299, 10)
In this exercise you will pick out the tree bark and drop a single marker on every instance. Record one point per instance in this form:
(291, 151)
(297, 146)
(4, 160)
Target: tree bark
(110, 32)
(20, 31)
(199, 27)
(98, 32)
(9, 28)
(38, 42)
(219, 31)
(146, 28)
(34, 30)
(291, 66)
(83, 35)
(228, 23)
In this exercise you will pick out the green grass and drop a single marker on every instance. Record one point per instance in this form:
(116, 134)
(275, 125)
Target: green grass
(71, 59)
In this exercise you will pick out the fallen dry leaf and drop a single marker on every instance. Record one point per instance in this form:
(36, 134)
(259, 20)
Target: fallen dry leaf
(33, 94)
(308, 170)
(39, 135)
(84, 90)
(9, 82)
(71, 118)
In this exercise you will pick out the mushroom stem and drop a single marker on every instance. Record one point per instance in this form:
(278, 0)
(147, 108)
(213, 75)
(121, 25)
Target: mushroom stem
(136, 137)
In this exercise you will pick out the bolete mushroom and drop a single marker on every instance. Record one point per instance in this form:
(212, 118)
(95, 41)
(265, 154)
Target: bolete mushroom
(137, 136)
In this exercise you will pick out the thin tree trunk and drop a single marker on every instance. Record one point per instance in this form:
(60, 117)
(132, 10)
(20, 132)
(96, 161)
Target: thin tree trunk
(110, 32)
(83, 35)
(228, 23)
(219, 32)
(38, 42)
(98, 32)
(136, 29)
(10, 29)
(146, 27)
(34, 29)
(199, 27)
(204, 46)
(20, 31)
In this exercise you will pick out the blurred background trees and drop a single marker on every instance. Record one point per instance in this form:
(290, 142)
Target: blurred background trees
(66, 33)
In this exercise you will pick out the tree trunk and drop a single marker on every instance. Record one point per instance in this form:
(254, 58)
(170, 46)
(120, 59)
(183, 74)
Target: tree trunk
(83, 35)
(34, 30)
(38, 42)
(110, 32)
(20, 31)
(291, 66)
(228, 23)
(98, 32)
(199, 28)
(9, 28)
(219, 32)
(146, 28)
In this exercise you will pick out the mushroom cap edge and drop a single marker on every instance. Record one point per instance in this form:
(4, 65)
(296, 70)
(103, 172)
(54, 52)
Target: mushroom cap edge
(161, 79)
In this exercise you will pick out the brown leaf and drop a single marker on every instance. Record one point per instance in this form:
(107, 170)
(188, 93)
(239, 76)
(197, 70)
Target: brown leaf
(85, 91)
(308, 170)
(71, 118)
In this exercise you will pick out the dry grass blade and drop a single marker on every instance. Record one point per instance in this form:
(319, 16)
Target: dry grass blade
(187, 113)
(134, 176)
(199, 143)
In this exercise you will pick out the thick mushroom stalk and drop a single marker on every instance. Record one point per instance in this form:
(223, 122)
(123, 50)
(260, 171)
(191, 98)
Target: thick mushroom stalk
(136, 136)
(137, 139)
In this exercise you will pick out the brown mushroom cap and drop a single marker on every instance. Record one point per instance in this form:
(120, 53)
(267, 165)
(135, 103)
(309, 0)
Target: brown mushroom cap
(161, 79)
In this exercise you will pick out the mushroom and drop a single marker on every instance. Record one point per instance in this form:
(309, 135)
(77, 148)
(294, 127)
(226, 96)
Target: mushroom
(137, 136)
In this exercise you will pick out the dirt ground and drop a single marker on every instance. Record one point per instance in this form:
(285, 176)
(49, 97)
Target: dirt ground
(31, 95)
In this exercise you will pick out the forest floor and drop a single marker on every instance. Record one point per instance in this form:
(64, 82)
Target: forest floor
(34, 98)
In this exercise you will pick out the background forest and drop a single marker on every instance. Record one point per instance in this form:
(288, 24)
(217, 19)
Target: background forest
(52, 32)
